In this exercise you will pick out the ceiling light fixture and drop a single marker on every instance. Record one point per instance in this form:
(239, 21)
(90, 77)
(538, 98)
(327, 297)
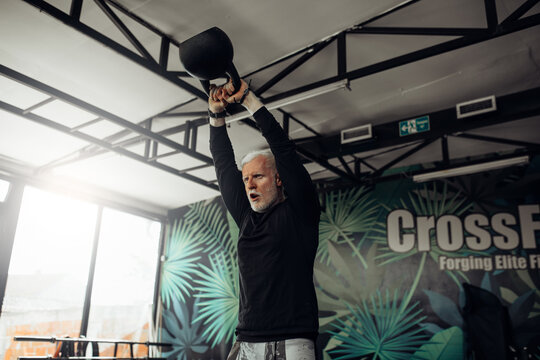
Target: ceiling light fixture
(471, 169)
(356, 134)
(294, 99)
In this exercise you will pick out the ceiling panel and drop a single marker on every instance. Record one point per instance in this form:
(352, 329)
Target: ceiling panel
(33, 143)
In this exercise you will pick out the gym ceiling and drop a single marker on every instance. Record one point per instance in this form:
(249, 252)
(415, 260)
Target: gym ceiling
(94, 100)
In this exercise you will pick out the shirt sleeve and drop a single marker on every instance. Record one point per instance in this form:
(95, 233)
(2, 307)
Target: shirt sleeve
(297, 181)
(228, 176)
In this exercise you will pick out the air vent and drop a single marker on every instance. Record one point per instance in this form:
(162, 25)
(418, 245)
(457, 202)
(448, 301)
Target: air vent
(475, 107)
(356, 134)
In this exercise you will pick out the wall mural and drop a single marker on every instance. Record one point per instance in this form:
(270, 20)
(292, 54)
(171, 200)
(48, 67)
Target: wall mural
(390, 268)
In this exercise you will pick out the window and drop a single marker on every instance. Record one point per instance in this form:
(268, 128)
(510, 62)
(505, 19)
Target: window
(49, 268)
(4, 188)
(124, 279)
(48, 271)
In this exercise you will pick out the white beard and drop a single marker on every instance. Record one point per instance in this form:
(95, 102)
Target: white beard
(262, 205)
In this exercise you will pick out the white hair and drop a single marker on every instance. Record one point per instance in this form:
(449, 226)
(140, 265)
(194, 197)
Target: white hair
(271, 161)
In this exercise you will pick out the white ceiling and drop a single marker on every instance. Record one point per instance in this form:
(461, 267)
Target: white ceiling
(53, 53)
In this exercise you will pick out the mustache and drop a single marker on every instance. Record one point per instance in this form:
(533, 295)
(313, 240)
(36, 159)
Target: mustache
(253, 192)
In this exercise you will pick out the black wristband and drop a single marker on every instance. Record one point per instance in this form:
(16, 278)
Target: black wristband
(217, 115)
(244, 95)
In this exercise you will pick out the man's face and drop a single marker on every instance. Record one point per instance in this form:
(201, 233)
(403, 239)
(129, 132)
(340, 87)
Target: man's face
(262, 184)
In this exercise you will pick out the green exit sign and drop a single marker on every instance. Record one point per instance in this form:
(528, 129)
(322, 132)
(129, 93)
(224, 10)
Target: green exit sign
(414, 126)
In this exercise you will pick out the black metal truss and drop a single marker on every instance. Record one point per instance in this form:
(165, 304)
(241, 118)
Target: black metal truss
(510, 107)
(327, 185)
(443, 123)
(310, 149)
(144, 59)
(466, 38)
(525, 144)
(102, 114)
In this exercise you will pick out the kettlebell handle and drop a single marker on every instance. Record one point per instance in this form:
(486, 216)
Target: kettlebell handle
(231, 74)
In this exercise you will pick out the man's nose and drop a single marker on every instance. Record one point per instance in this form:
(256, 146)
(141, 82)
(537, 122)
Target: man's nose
(250, 183)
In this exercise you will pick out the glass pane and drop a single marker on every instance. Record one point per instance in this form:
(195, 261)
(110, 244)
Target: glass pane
(4, 188)
(48, 272)
(123, 288)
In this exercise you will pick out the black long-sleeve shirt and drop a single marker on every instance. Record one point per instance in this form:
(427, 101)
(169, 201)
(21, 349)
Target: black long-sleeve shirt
(276, 248)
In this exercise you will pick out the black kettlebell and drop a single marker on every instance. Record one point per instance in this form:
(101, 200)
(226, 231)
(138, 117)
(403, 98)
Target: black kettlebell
(208, 56)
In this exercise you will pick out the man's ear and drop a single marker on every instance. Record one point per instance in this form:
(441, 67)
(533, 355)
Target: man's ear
(278, 180)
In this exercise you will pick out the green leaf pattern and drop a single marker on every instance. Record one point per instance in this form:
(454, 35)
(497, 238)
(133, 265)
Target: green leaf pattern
(363, 317)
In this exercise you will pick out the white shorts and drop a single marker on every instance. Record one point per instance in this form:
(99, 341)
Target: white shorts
(291, 349)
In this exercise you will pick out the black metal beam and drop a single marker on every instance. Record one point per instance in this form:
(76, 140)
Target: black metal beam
(90, 281)
(324, 163)
(491, 14)
(102, 113)
(124, 30)
(468, 162)
(193, 141)
(301, 123)
(519, 12)
(91, 150)
(310, 47)
(400, 158)
(426, 31)
(469, 37)
(363, 161)
(519, 143)
(445, 150)
(286, 120)
(451, 45)
(188, 114)
(342, 53)
(147, 143)
(346, 166)
(157, 281)
(9, 215)
(179, 73)
(295, 65)
(357, 167)
(436, 167)
(88, 31)
(75, 10)
(443, 122)
(83, 125)
(141, 21)
(90, 139)
(164, 52)
(39, 104)
(187, 133)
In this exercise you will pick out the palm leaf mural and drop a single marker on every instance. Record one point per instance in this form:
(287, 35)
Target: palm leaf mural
(181, 261)
(445, 345)
(383, 329)
(344, 282)
(184, 335)
(430, 202)
(218, 287)
(347, 212)
(217, 229)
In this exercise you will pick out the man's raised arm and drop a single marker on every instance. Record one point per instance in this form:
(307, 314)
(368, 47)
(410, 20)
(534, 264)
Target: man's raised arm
(228, 176)
(297, 181)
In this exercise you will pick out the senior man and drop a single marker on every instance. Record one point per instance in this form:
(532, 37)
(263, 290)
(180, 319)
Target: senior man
(276, 207)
